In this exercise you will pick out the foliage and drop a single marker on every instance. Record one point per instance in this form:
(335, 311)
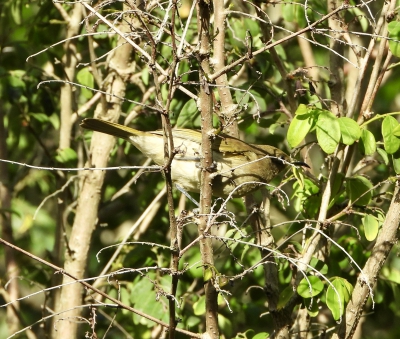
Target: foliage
(331, 106)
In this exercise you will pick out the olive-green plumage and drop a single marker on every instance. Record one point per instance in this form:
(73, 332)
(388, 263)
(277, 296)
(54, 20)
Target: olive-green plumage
(236, 161)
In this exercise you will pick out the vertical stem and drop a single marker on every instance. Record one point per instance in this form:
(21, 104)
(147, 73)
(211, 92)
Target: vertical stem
(336, 61)
(65, 325)
(168, 157)
(353, 108)
(278, 62)
(387, 237)
(11, 265)
(228, 108)
(173, 224)
(69, 61)
(381, 55)
(206, 109)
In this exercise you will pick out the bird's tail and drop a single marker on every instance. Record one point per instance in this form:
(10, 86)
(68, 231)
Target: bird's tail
(110, 128)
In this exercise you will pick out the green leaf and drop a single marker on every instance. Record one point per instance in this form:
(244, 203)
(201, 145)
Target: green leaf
(225, 325)
(394, 27)
(347, 289)
(199, 307)
(144, 297)
(310, 287)
(66, 155)
(252, 26)
(350, 130)
(337, 295)
(337, 184)
(328, 132)
(103, 28)
(371, 227)
(311, 206)
(383, 155)
(294, 14)
(368, 143)
(381, 216)
(85, 78)
(311, 306)
(298, 129)
(396, 162)
(246, 335)
(396, 131)
(319, 265)
(394, 33)
(363, 20)
(192, 321)
(15, 87)
(307, 196)
(188, 115)
(261, 335)
(359, 190)
(337, 189)
(241, 97)
(41, 117)
(285, 296)
(55, 120)
(390, 141)
(335, 299)
(208, 274)
(302, 109)
(145, 75)
(16, 12)
(298, 174)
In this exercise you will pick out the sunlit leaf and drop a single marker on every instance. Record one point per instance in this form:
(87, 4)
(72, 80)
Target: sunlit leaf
(394, 33)
(335, 299)
(285, 296)
(396, 131)
(145, 75)
(188, 115)
(396, 162)
(85, 78)
(371, 227)
(383, 155)
(367, 142)
(359, 190)
(310, 287)
(328, 132)
(311, 306)
(390, 141)
(66, 155)
(350, 130)
(299, 127)
(199, 307)
(337, 295)
(319, 265)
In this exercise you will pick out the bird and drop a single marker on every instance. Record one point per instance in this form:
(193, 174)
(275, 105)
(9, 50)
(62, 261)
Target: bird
(239, 168)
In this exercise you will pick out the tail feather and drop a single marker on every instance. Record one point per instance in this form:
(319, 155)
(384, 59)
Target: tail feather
(110, 128)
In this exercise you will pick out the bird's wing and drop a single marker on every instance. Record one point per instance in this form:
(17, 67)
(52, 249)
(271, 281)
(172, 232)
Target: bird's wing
(226, 144)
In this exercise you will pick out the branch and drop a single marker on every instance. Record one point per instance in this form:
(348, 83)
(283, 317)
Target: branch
(90, 287)
(276, 43)
(384, 243)
(206, 109)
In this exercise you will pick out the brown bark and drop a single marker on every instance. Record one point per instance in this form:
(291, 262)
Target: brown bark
(11, 265)
(384, 243)
(206, 109)
(65, 325)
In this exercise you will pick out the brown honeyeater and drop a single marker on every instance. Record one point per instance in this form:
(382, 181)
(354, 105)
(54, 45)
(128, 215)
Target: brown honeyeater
(236, 162)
